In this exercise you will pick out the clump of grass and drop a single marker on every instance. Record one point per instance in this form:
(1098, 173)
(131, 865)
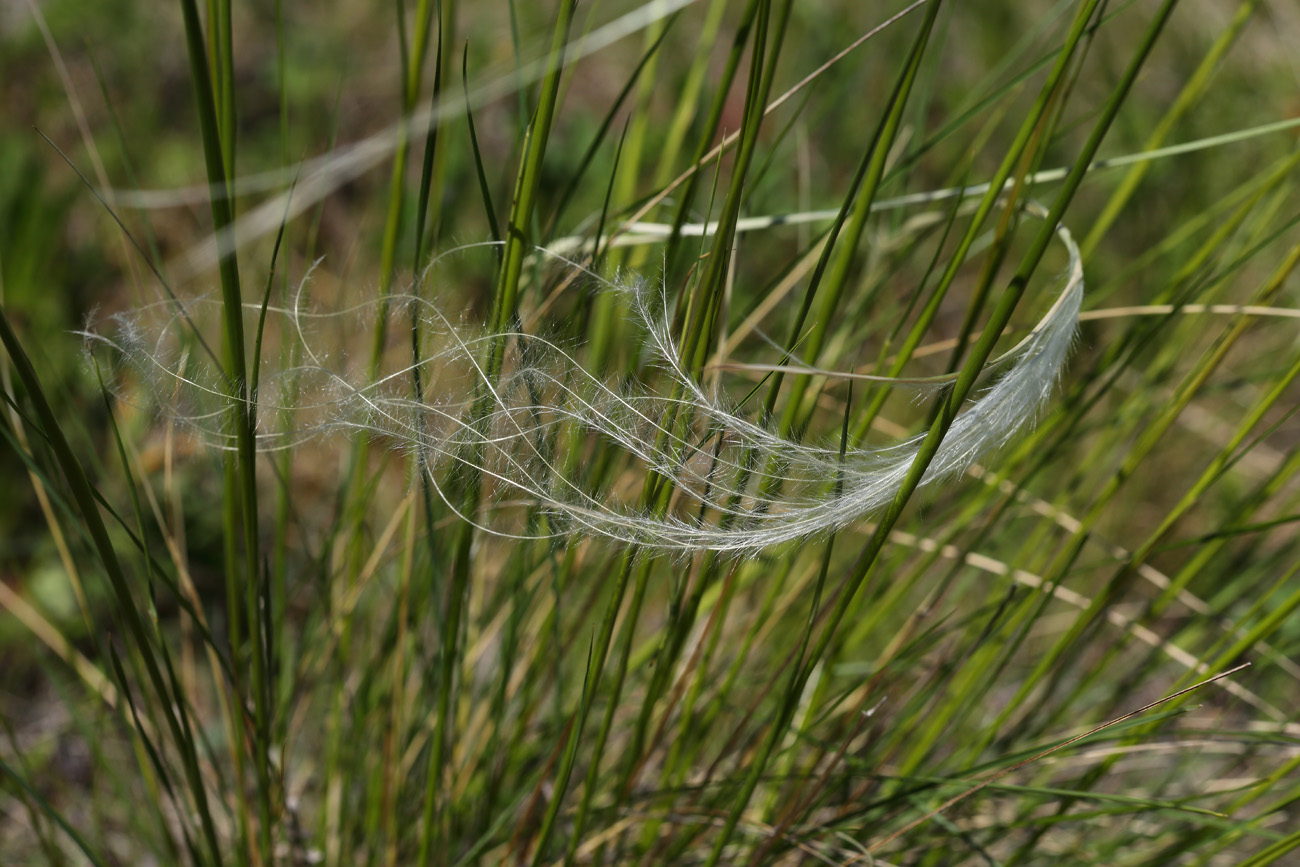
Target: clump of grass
(546, 551)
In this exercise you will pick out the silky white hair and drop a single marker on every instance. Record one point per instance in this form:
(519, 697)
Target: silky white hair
(740, 488)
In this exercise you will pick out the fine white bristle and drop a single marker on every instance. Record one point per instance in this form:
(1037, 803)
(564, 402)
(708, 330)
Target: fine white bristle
(740, 487)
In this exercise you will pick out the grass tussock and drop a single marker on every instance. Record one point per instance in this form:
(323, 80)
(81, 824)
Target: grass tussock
(637, 433)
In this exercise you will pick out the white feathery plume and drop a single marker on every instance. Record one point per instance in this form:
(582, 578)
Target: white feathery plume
(545, 403)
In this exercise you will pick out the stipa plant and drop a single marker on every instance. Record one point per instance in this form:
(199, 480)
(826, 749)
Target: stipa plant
(603, 573)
